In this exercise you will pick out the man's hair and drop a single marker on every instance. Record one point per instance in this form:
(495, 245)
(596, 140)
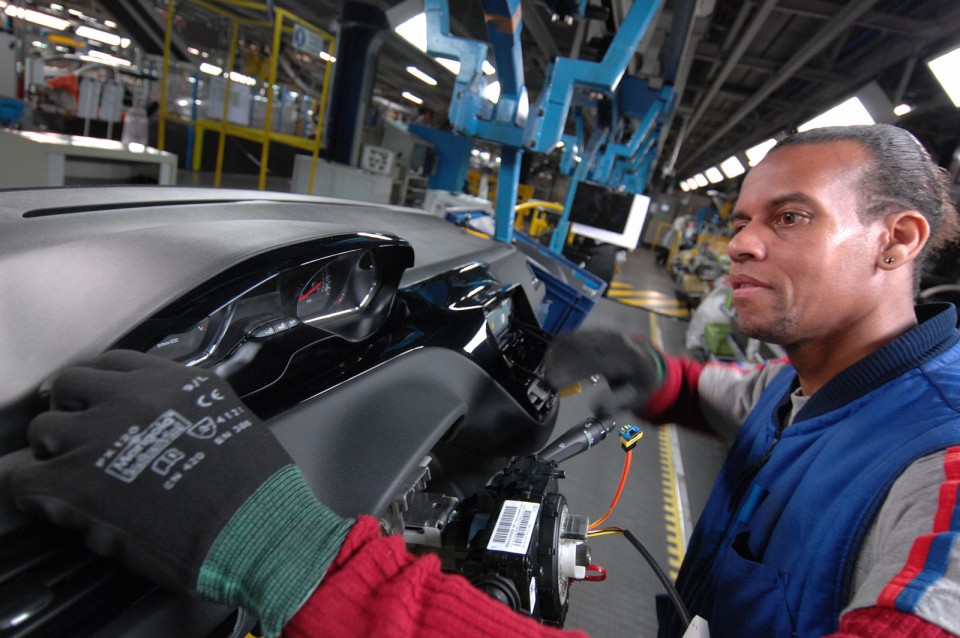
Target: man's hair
(902, 176)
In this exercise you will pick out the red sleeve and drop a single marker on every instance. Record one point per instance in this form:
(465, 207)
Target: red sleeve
(375, 587)
(677, 399)
(877, 622)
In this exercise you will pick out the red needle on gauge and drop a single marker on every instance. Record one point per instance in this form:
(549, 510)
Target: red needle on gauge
(304, 296)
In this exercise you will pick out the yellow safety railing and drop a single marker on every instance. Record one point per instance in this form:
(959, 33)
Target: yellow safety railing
(282, 23)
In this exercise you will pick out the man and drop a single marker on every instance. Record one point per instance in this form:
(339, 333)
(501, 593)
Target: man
(836, 512)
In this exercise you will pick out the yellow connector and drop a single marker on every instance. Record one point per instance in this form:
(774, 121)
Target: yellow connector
(630, 435)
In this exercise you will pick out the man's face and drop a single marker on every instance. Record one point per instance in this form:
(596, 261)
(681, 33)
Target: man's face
(802, 262)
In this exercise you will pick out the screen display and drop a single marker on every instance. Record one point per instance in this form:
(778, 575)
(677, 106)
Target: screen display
(600, 207)
(498, 319)
(607, 215)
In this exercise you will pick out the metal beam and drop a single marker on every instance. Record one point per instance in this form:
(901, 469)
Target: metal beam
(710, 52)
(821, 10)
(538, 29)
(882, 56)
(842, 21)
(756, 23)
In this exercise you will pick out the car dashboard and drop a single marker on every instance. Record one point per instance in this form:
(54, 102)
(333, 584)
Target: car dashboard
(374, 341)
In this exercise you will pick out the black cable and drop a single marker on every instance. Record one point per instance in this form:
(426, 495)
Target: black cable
(671, 590)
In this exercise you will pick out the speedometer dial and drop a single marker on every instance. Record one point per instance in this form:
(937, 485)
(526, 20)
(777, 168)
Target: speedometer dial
(316, 297)
(342, 285)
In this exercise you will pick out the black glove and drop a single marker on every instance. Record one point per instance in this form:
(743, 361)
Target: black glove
(165, 469)
(633, 369)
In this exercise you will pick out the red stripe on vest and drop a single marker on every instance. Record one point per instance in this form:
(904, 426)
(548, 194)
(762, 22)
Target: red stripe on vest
(921, 546)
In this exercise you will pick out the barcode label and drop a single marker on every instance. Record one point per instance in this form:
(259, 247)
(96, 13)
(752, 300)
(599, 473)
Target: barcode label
(514, 527)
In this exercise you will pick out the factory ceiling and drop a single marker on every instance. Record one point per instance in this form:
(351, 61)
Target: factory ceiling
(744, 71)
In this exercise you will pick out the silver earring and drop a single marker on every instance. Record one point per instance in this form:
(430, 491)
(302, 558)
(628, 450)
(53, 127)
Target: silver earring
(888, 260)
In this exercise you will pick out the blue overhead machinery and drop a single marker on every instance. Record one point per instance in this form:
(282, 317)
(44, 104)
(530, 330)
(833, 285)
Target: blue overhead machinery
(620, 150)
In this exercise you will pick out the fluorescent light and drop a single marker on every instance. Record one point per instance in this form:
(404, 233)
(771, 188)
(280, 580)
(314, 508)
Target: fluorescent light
(692, 183)
(732, 167)
(420, 75)
(211, 69)
(414, 31)
(413, 98)
(240, 78)
(44, 20)
(74, 12)
(756, 153)
(492, 92)
(844, 114)
(714, 175)
(902, 109)
(100, 36)
(326, 56)
(450, 65)
(108, 23)
(701, 180)
(55, 7)
(684, 187)
(193, 51)
(946, 68)
(100, 56)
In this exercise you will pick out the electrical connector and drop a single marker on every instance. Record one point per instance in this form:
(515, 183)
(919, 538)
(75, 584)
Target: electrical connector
(630, 435)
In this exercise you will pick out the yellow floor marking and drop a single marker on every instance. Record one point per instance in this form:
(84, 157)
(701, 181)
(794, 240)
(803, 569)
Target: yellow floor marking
(652, 300)
(673, 523)
(671, 509)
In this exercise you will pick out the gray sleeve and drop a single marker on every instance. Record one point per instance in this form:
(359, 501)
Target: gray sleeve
(906, 515)
(728, 394)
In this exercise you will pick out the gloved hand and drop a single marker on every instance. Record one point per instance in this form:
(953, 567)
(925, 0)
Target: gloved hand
(165, 469)
(633, 369)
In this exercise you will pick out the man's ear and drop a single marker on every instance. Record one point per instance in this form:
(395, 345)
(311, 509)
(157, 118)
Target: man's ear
(906, 234)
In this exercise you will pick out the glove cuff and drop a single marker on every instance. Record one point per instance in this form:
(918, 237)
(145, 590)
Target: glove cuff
(274, 550)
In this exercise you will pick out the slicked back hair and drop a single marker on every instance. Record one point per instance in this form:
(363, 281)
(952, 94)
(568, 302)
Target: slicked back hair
(902, 176)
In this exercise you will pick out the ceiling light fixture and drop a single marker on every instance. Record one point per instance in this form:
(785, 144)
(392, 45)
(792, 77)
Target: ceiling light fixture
(44, 20)
(847, 113)
(684, 187)
(100, 36)
(492, 92)
(413, 98)
(756, 153)
(105, 58)
(732, 167)
(946, 69)
(902, 109)
(420, 75)
(240, 78)
(714, 175)
(211, 69)
(701, 180)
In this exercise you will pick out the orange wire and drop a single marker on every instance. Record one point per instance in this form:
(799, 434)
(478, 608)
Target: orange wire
(616, 497)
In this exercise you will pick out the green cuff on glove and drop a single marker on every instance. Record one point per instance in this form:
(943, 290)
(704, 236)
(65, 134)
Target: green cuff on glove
(274, 551)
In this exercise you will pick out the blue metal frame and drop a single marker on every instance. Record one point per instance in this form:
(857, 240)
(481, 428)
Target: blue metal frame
(517, 127)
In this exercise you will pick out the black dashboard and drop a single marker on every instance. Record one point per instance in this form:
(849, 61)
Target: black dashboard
(373, 340)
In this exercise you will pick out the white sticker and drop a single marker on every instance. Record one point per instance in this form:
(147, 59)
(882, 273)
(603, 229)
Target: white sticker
(514, 527)
(141, 449)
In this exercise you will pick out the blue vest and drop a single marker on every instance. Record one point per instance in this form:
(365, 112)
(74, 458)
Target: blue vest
(774, 551)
